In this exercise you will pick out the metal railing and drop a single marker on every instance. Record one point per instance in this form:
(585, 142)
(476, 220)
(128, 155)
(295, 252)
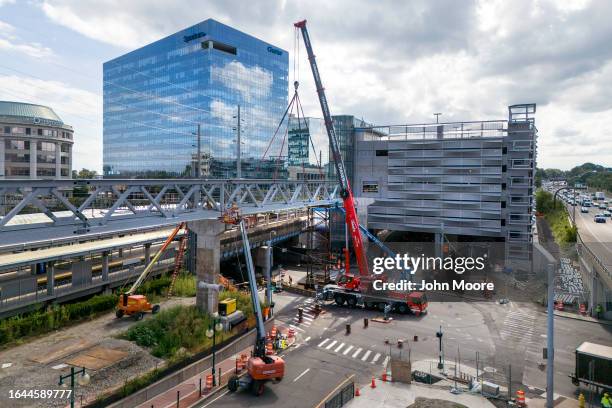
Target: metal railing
(588, 255)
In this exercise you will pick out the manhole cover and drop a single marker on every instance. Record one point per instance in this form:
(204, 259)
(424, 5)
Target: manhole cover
(489, 370)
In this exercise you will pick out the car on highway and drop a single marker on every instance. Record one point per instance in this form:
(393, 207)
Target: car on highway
(602, 206)
(584, 210)
(607, 214)
(610, 209)
(600, 219)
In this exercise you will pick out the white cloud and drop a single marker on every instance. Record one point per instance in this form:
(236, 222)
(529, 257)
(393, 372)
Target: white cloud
(10, 42)
(392, 62)
(5, 2)
(248, 81)
(76, 107)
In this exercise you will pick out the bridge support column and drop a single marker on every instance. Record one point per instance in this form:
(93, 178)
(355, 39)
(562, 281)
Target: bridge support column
(105, 266)
(263, 259)
(50, 278)
(147, 253)
(208, 262)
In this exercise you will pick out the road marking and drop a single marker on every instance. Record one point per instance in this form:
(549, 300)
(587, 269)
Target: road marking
(332, 344)
(323, 343)
(296, 328)
(300, 376)
(309, 301)
(357, 352)
(306, 339)
(385, 361)
(375, 359)
(219, 397)
(366, 355)
(307, 318)
(339, 348)
(349, 348)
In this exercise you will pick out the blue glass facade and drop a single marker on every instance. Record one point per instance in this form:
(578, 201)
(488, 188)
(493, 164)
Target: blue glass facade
(155, 97)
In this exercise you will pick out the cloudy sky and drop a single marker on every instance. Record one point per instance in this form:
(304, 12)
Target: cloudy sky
(390, 62)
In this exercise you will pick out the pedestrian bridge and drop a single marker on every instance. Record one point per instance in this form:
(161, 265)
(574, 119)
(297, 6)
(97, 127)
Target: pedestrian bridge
(47, 210)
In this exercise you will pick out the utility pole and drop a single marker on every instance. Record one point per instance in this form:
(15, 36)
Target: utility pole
(550, 346)
(439, 336)
(238, 153)
(199, 160)
(437, 114)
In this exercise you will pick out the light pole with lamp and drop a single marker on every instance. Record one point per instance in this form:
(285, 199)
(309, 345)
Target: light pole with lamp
(437, 114)
(214, 327)
(83, 379)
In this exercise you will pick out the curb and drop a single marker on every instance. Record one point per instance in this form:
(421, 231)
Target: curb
(570, 316)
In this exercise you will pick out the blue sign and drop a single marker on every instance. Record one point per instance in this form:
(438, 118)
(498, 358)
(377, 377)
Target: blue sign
(188, 38)
(275, 51)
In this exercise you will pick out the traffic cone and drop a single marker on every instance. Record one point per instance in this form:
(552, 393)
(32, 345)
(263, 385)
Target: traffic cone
(384, 377)
(357, 393)
(373, 385)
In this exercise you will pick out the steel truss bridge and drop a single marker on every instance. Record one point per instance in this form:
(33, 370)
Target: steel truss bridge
(46, 210)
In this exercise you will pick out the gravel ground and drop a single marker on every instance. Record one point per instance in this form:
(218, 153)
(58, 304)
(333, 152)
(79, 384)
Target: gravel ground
(25, 374)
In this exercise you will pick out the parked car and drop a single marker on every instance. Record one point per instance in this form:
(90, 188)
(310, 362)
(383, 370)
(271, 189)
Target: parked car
(600, 219)
(584, 210)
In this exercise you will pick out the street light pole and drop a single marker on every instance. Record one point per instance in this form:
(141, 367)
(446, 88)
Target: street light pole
(213, 328)
(437, 114)
(83, 380)
(439, 335)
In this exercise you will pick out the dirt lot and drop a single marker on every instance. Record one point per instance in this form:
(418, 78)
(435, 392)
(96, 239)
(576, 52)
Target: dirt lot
(37, 364)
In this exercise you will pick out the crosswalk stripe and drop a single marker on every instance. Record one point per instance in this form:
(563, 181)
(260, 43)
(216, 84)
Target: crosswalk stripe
(385, 361)
(339, 348)
(366, 355)
(307, 318)
(346, 351)
(306, 339)
(323, 343)
(309, 301)
(332, 344)
(375, 359)
(296, 328)
(357, 352)
(305, 323)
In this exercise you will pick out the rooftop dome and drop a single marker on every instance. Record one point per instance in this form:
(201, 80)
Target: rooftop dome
(27, 110)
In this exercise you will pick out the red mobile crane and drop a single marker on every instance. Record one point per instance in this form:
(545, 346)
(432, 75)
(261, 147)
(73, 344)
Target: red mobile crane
(352, 221)
(353, 290)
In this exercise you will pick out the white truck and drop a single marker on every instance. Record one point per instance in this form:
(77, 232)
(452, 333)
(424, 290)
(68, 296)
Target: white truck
(600, 196)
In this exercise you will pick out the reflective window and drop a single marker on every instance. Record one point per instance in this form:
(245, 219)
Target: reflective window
(155, 97)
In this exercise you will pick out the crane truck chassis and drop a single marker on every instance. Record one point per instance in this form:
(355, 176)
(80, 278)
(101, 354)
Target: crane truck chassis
(413, 302)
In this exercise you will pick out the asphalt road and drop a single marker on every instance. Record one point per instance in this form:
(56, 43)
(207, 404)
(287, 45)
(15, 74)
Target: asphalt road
(503, 335)
(597, 236)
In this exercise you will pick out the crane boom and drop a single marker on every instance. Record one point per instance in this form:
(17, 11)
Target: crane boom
(346, 193)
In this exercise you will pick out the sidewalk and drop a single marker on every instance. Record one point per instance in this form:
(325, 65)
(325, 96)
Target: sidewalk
(398, 395)
(576, 316)
(187, 391)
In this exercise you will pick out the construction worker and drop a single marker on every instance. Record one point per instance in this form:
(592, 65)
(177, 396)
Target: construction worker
(598, 310)
(606, 402)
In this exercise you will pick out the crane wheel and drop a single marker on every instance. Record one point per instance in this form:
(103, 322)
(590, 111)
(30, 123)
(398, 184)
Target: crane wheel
(257, 387)
(381, 306)
(155, 309)
(339, 299)
(232, 383)
(119, 313)
(403, 309)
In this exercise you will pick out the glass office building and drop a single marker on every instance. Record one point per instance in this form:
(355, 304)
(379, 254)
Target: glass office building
(156, 96)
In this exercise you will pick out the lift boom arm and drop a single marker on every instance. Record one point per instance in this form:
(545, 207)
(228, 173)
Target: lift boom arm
(147, 269)
(260, 344)
(347, 195)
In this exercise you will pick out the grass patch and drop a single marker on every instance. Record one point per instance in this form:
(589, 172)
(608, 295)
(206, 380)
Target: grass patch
(182, 329)
(22, 327)
(185, 285)
(557, 217)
